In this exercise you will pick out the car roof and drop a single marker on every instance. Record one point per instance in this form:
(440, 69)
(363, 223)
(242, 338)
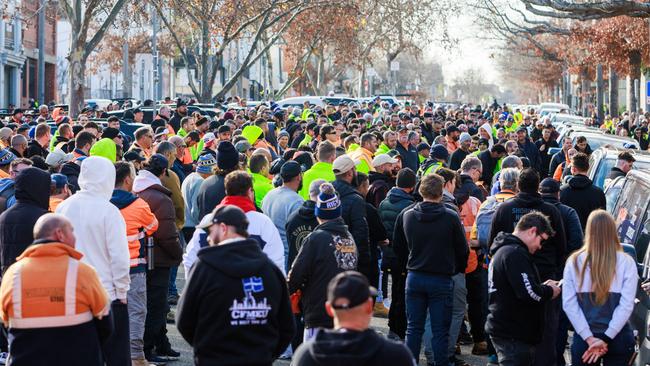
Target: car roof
(612, 152)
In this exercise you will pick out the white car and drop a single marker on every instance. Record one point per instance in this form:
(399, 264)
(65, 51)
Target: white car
(548, 108)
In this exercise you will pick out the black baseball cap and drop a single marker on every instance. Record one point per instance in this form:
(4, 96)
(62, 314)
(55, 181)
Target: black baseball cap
(289, 170)
(133, 155)
(349, 289)
(225, 214)
(549, 186)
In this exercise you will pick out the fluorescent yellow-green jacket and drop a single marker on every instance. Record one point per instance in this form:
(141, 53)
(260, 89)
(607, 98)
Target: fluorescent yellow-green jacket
(421, 158)
(305, 141)
(382, 149)
(352, 148)
(194, 150)
(261, 185)
(106, 148)
(320, 170)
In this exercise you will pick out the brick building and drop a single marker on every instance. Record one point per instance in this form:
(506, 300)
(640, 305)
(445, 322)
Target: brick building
(19, 54)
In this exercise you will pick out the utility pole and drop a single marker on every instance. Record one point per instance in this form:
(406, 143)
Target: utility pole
(41, 53)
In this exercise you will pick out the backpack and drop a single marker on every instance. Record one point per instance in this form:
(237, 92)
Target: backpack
(484, 219)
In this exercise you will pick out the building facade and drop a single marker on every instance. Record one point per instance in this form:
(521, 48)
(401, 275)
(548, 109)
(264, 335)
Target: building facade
(19, 54)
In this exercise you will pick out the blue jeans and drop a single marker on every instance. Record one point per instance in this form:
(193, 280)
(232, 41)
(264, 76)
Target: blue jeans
(435, 294)
(619, 351)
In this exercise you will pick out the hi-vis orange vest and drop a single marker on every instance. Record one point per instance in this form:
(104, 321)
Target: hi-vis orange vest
(49, 287)
(140, 221)
(468, 212)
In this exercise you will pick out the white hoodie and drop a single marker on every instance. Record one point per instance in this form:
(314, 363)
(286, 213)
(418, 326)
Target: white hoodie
(98, 225)
(486, 126)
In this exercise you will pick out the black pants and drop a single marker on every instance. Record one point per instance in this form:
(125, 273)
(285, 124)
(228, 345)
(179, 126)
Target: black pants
(397, 311)
(512, 352)
(155, 329)
(117, 351)
(546, 354)
(477, 306)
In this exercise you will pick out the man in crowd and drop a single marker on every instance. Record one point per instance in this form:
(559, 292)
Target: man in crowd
(100, 231)
(166, 254)
(517, 293)
(140, 224)
(282, 201)
(432, 261)
(235, 308)
(329, 250)
(46, 268)
(580, 193)
(624, 163)
(351, 342)
(353, 208)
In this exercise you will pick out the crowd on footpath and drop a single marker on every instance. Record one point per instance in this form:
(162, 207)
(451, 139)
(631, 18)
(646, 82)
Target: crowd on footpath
(295, 226)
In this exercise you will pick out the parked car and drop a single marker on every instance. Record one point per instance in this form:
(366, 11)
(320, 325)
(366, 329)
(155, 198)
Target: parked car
(319, 101)
(548, 108)
(632, 214)
(602, 161)
(564, 118)
(596, 139)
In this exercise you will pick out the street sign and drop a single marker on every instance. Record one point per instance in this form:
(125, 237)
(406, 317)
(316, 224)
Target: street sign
(647, 93)
(394, 66)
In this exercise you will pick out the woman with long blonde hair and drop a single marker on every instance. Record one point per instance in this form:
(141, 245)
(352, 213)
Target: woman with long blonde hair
(600, 283)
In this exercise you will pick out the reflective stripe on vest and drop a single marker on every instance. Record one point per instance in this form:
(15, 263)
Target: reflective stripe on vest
(138, 261)
(135, 237)
(70, 318)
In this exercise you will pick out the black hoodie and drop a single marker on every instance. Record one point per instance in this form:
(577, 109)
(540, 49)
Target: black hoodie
(326, 252)
(583, 196)
(300, 224)
(351, 348)
(235, 308)
(433, 238)
(550, 259)
(17, 223)
(516, 294)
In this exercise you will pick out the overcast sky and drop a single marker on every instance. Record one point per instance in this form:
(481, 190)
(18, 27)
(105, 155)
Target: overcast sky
(470, 52)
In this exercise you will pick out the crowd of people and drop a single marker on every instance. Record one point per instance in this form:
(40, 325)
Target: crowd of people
(295, 226)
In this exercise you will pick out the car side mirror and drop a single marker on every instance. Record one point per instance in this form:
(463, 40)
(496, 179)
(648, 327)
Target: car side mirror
(554, 150)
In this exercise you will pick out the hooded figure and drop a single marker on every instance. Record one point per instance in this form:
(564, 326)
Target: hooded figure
(487, 128)
(105, 148)
(17, 223)
(99, 226)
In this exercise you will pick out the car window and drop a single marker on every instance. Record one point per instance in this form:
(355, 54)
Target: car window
(643, 239)
(612, 193)
(631, 207)
(603, 169)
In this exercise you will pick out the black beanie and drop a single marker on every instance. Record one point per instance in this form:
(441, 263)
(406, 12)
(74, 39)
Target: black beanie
(227, 156)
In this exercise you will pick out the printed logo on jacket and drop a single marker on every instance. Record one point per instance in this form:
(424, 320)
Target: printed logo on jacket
(250, 311)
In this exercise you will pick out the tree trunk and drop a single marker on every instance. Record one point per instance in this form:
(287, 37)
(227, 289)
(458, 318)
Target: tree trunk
(600, 109)
(269, 93)
(613, 92)
(206, 85)
(584, 95)
(77, 80)
(635, 74)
